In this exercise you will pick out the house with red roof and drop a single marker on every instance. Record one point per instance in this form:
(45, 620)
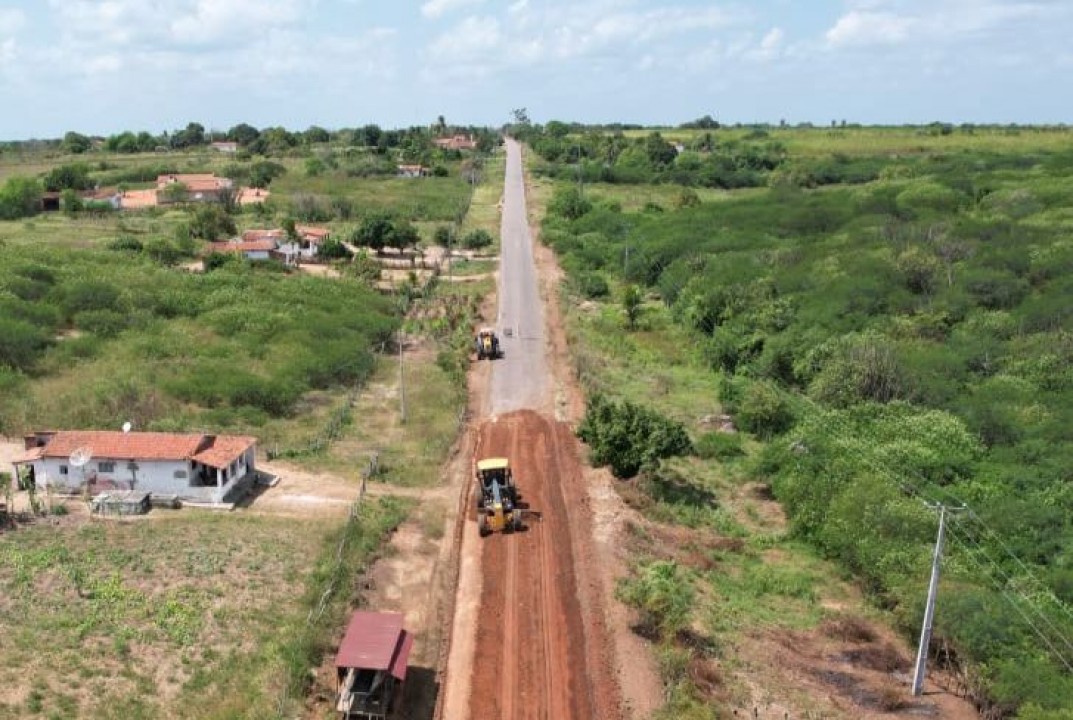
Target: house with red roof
(192, 466)
(200, 187)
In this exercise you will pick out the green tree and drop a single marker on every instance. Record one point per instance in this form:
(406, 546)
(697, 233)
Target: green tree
(70, 201)
(210, 222)
(570, 203)
(19, 197)
(316, 134)
(477, 239)
(263, 172)
(76, 143)
(244, 134)
(68, 177)
(176, 192)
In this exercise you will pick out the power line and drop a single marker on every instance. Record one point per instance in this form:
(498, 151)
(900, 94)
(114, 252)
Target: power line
(1005, 594)
(1009, 581)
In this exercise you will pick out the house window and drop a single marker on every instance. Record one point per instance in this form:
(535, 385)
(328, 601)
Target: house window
(180, 474)
(106, 467)
(63, 469)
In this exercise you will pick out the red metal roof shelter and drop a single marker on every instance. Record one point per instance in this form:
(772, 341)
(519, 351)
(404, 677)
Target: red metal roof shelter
(375, 641)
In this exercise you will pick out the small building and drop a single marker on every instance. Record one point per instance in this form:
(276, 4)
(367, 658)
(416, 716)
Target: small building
(225, 147)
(249, 249)
(251, 196)
(411, 171)
(456, 142)
(371, 665)
(111, 196)
(293, 252)
(200, 187)
(191, 466)
(50, 201)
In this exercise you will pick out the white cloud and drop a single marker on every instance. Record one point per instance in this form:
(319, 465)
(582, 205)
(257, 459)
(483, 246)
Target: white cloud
(862, 27)
(876, 23)
(472, 38)
(531, 33)
(212, 20)
(437, 8)
(168, 22)
(11, 20)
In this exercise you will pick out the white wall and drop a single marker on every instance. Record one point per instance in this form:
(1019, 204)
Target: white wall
(154, 476)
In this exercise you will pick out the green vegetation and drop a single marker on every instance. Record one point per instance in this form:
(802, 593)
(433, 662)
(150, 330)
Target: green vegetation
(896, 328)
(226, 597)
(141, 342)
(629, 437)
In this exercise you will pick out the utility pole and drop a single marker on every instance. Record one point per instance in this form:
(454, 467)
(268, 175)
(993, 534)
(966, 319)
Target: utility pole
(402, 385)
(929, 609)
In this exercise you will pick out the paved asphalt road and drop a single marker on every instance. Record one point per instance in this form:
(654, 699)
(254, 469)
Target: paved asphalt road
(520, 378)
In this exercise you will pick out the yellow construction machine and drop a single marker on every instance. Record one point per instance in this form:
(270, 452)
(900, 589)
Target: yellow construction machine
(497, 497)
(487, 344)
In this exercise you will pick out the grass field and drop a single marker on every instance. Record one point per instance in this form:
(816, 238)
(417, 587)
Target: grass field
(856, 141)
(484, 210)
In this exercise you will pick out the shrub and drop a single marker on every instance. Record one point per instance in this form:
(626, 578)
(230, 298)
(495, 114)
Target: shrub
(570, 203)
(90, 295)
(664, 594)
(763, 409)
(105, 323)
(477, 239)
(629, 437)
(126, 243)
(22, 343)
(593, 286)
(719, 446)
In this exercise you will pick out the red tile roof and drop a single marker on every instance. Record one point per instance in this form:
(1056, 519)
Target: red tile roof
(120, 445)
(375, 641)
(311, 233)
(243, 246)
(28, 456)
(212, 450)
(263, 234)
(194, 182)
(224, 449)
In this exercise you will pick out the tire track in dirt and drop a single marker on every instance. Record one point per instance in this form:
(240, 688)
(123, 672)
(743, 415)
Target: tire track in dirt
(532, 659)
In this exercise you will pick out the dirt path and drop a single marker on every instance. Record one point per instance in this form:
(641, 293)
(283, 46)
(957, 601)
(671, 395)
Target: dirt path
(539, 653)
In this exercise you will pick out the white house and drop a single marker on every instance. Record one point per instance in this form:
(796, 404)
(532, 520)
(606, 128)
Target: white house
(193, 466)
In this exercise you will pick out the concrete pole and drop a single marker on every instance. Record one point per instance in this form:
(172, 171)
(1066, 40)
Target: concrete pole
(929, 609)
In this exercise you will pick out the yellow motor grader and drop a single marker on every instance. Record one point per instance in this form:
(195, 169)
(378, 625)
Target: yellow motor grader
(487, 344)
(497, 497)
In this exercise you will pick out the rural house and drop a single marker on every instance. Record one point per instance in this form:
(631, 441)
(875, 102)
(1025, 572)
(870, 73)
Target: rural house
(200, 187)
(411, 171)
(249, 249)
(224, 146)
(306, 248)
(192, 466)
(456, 142)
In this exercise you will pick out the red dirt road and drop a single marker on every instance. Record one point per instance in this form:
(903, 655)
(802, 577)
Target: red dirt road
(541, 644)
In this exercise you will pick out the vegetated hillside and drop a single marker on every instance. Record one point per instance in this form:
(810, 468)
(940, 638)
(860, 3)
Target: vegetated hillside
(96, 337)
(901, 340)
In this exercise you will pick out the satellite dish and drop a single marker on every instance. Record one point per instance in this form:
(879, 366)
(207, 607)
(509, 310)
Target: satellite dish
(127, 426)
(80, 456)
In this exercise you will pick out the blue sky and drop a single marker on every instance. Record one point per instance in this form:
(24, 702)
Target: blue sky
(101, 66)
